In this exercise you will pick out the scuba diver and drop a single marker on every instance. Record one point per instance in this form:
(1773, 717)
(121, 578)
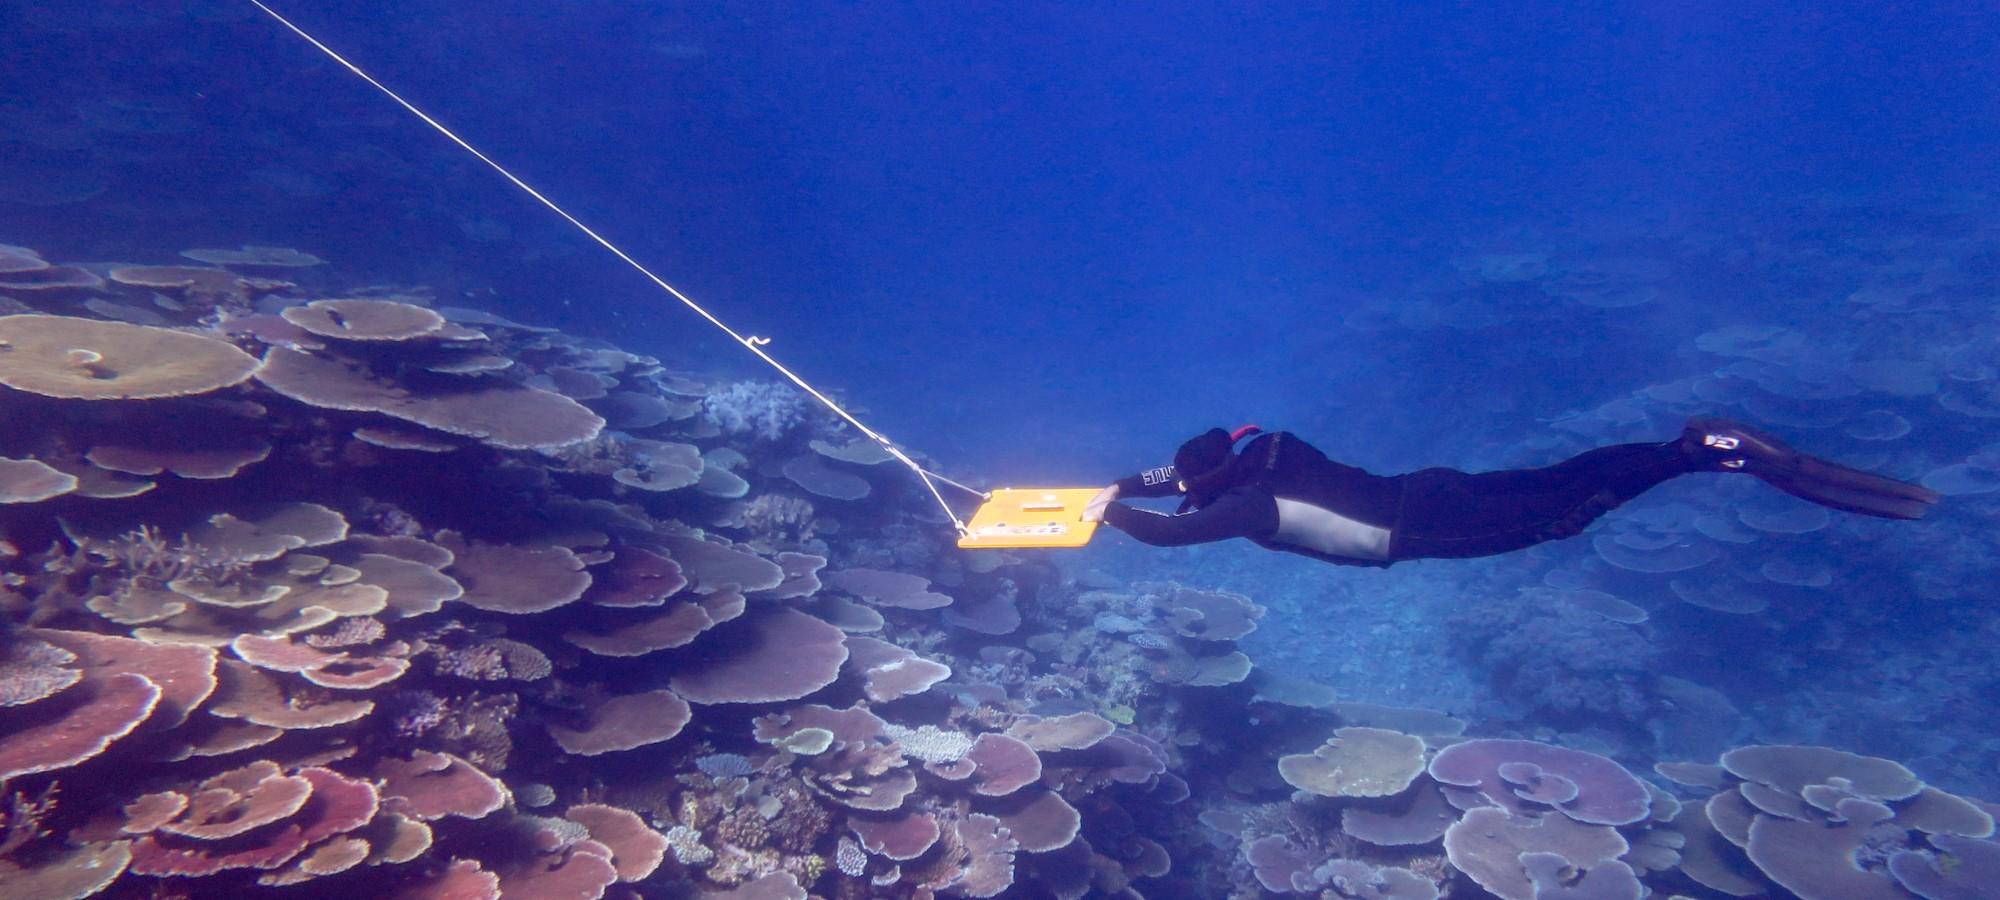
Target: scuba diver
(1284, 494)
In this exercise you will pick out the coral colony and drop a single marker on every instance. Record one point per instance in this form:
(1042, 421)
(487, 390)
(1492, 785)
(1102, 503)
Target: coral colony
(323, 591)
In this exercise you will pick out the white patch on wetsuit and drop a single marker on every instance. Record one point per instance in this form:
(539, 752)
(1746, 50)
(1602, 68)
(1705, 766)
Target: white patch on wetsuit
(1317, 528)
(1161, 475)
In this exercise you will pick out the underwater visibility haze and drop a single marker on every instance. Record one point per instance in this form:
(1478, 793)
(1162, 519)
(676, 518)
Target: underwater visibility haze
(365, 527)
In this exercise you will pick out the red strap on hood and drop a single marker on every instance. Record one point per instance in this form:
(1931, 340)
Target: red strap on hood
(1243, 432)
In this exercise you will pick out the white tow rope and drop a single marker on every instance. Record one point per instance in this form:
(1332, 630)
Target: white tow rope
(752, 343)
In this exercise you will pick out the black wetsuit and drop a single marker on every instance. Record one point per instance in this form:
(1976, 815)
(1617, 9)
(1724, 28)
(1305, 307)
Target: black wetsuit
(1284, 494)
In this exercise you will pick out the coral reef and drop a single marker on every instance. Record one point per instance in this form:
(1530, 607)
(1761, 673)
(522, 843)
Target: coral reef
(401, 563)
(313, 590)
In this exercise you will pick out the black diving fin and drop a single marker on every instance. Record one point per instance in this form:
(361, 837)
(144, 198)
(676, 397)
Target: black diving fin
(1726, 446)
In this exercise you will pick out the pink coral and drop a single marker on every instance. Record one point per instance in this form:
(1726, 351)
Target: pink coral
(581, 872)
(74, 726)
(1005, 765)
(1606, 794)
(900, 837)
(636, 577)
(636, 850)
(255, 817)
(622, 723)
(762, 657)
(430, 786)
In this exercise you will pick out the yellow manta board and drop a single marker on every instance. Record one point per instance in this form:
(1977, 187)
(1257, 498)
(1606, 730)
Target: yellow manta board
(1031, 517)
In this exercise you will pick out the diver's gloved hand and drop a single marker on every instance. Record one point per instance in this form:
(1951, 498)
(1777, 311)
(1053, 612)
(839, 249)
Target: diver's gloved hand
(1094, 510)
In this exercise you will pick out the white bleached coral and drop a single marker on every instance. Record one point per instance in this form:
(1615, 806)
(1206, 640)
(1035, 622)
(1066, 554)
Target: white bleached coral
(930, 743)
(760, 409)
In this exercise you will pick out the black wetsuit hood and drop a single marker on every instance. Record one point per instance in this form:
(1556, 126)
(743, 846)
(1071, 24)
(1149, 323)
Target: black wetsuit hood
(1206, 465)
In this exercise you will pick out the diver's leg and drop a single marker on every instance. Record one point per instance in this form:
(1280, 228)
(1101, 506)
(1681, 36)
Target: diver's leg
(1724, 446)
(1452, 514)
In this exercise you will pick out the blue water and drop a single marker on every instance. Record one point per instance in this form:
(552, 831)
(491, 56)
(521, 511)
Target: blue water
(1045, 242)
(1169, 210)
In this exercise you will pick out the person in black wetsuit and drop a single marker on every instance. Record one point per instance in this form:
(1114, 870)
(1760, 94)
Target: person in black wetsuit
(1284, 494)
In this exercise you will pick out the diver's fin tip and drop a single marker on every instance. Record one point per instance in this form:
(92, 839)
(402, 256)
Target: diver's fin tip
(1852, 497)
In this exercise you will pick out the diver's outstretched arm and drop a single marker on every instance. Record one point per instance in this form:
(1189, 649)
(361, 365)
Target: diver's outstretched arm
(1725, 446)
(1234, 514)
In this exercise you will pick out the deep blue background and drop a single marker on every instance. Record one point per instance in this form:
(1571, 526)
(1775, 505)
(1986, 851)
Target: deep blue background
(1037, 240)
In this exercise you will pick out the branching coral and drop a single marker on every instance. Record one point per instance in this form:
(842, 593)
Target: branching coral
(757, 409)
